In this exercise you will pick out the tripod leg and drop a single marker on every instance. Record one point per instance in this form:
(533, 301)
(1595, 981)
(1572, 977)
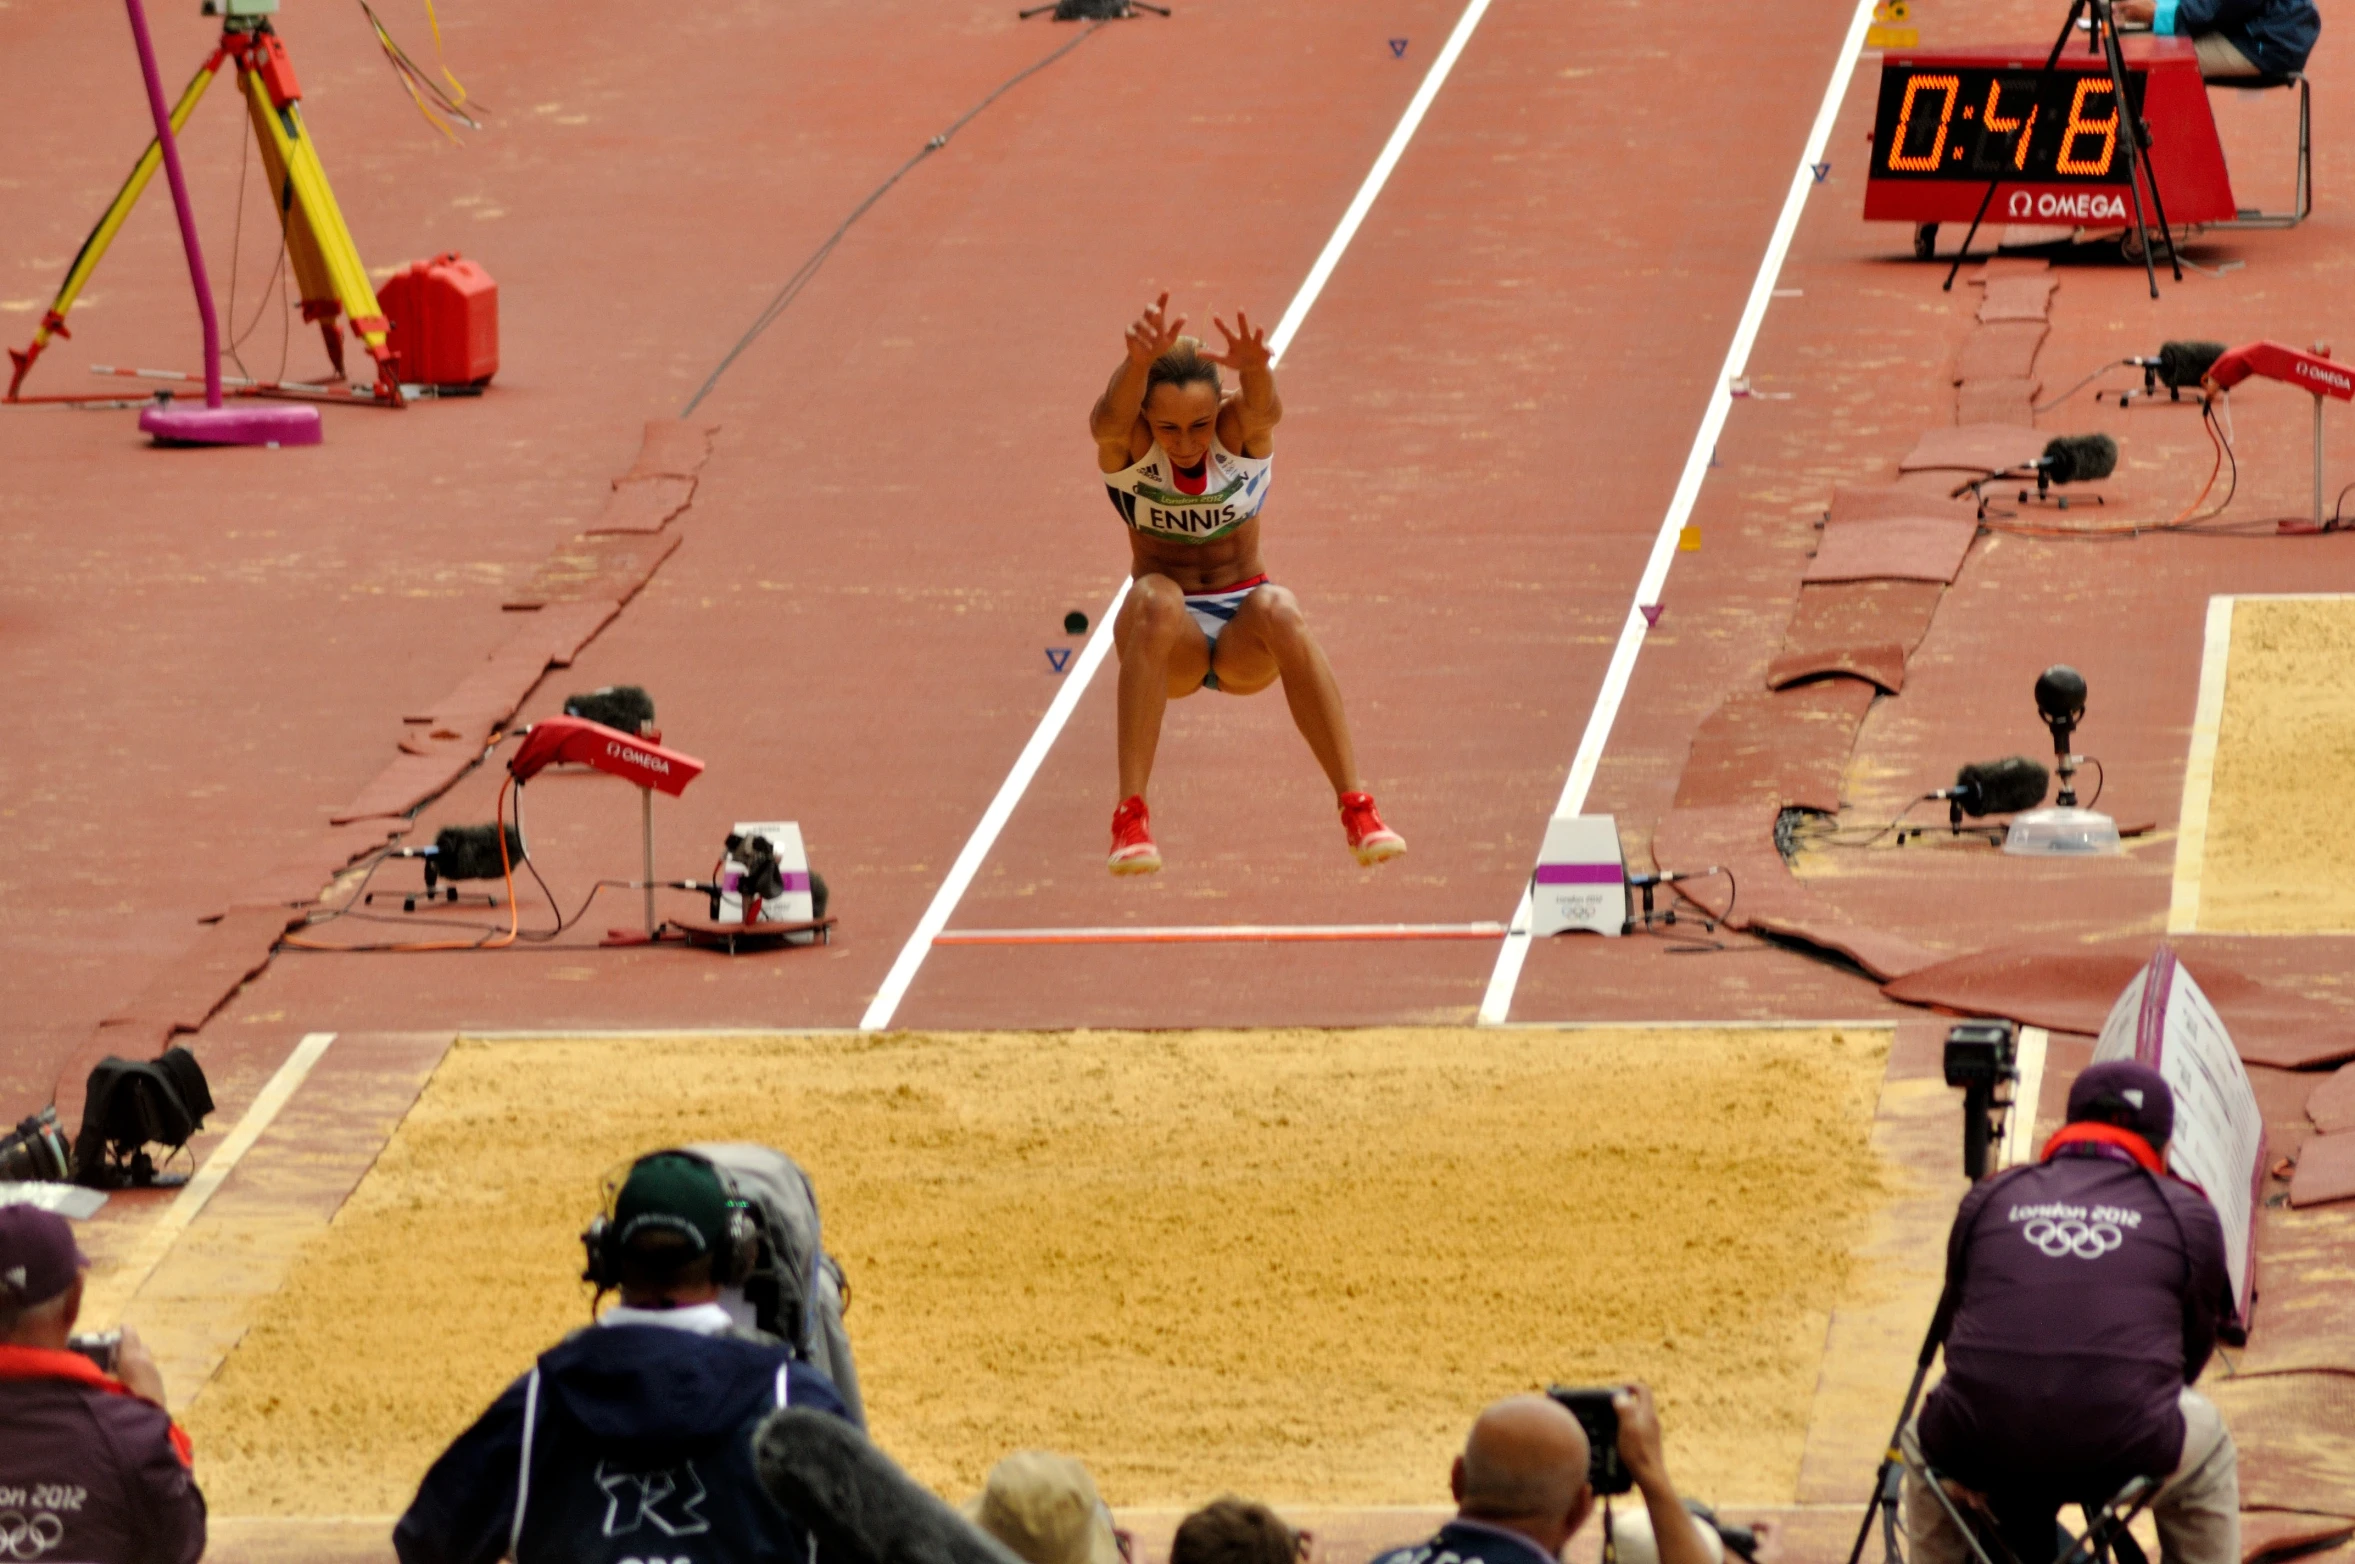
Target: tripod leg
(93, 250)
(2131, 126)
(313, 211)
(314, 284)
(1969, 234)
(2068, 26)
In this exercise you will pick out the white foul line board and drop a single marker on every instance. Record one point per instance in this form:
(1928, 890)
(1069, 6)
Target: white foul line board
(2199, 771)
(1497, 1003)
(1042, 739)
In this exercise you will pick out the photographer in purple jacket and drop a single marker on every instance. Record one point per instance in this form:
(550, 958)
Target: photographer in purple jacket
(92, 1468)
(2083, 1294)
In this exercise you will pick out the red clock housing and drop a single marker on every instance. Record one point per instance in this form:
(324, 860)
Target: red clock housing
(2053, 142)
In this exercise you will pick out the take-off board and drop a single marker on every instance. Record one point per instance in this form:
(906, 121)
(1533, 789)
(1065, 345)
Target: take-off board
(2054, 142)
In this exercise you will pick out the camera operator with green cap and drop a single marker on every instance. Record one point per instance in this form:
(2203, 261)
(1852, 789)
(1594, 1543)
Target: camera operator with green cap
(631, 1439)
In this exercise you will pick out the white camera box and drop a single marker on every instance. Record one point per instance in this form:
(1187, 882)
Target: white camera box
(1581, 881)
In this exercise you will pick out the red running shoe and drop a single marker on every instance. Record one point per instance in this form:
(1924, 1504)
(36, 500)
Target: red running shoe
(1371, 840)
(1133, 851)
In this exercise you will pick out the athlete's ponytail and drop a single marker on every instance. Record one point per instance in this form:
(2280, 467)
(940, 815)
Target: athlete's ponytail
(1183, 365)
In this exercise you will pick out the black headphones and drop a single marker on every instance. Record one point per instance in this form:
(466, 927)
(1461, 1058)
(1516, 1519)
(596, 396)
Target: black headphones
(731, 1264)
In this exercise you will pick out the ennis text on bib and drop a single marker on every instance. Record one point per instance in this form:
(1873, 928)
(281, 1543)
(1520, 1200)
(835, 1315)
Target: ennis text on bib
(1233, 489)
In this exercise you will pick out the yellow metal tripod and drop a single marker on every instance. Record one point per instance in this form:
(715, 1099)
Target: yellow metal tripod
(327, 267)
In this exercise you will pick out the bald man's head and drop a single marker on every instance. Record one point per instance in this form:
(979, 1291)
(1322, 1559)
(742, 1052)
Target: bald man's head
(1524, 1466)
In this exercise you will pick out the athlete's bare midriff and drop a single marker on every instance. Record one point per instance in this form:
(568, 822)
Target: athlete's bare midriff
(1199, 567)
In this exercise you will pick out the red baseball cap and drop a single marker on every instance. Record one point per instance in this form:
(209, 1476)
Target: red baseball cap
(38, 1256)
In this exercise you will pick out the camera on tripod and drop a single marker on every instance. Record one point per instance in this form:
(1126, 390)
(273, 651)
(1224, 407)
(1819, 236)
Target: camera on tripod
(1983, 1058)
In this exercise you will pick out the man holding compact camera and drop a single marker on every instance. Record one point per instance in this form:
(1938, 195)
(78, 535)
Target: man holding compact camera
(92, 1468)
(2084, 1293)
(1530, 1471)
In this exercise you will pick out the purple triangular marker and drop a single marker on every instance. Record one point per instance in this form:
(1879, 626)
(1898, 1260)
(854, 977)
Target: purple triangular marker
(1650, 611)
(1398, 48)
(1058, 657)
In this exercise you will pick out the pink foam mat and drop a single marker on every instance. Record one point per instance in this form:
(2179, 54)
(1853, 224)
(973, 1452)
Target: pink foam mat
(2331, 1106)
(2005, 351)
(1880, 664)
(1782, 747)
(1997, 402)
(1917, 549)
(1974, 448)
(644, 505)
(671, 448)
(2071, 988)
(1837, 614)
(596, 566)
(2026, 298)
(2326, 1170)
(1886, 501)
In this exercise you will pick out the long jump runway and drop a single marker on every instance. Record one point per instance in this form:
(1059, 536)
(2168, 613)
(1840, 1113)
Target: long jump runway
(1488, 408)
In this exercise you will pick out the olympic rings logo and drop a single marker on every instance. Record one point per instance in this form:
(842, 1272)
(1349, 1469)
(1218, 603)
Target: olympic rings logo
(2085, 1240)
(28, 1537)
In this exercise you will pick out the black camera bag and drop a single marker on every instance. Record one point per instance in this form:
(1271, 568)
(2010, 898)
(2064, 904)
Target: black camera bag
(129, 1104)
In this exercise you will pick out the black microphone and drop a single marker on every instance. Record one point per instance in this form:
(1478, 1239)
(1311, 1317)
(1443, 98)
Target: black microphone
(2078, 458)
(856, 1502)
(627, 708)
(2182, 364)
(468, 852)
(2060, 696)
(1998, 787)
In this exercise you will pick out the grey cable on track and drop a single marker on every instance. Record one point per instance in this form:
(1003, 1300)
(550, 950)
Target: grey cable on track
(817, 258)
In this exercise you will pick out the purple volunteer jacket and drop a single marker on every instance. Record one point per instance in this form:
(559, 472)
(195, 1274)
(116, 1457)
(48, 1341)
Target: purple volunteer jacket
(89, 1473)
(2082, 1294)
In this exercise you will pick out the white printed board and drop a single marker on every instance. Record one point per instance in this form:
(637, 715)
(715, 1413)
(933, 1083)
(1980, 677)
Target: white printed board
(2165, 1021)
(1581, 880)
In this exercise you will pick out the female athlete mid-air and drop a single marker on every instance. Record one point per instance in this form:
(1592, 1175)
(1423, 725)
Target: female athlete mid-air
(1188, 464)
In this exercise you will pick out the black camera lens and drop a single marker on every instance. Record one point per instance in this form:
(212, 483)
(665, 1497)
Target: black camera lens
(35, 1152)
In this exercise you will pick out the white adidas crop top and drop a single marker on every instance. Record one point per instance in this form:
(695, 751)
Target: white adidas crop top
(1233, 489)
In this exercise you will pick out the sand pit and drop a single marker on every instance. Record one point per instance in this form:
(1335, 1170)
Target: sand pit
(2281, 841)
(1289, 1264)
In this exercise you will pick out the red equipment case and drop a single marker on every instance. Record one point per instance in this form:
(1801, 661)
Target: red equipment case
(444, 318)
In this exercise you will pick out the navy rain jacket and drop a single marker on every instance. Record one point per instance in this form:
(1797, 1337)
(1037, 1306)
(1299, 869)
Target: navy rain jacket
(2276, 35)
(641, 1449)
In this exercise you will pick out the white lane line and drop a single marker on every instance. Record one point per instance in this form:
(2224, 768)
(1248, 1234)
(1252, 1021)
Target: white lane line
(2199, 771)
(1497, 1003)
(1001, 808)
(1376, 177)
(2019, 1131)
(115, 1292)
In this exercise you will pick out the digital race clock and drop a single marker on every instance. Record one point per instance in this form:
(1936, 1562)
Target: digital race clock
(2052, 142)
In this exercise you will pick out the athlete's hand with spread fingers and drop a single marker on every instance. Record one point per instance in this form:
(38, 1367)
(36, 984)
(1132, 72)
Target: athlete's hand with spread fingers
(1247, 349)
(1154, 333)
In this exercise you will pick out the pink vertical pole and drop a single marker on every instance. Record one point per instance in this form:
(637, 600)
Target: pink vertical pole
(171, 151)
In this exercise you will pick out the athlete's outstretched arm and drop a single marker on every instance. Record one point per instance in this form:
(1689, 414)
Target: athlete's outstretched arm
(1113, 420)
(1247, 424)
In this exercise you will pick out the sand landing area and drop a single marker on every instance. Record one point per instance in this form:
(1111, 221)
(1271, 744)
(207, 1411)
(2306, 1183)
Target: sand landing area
(1283, 1263)
(2281, 839)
